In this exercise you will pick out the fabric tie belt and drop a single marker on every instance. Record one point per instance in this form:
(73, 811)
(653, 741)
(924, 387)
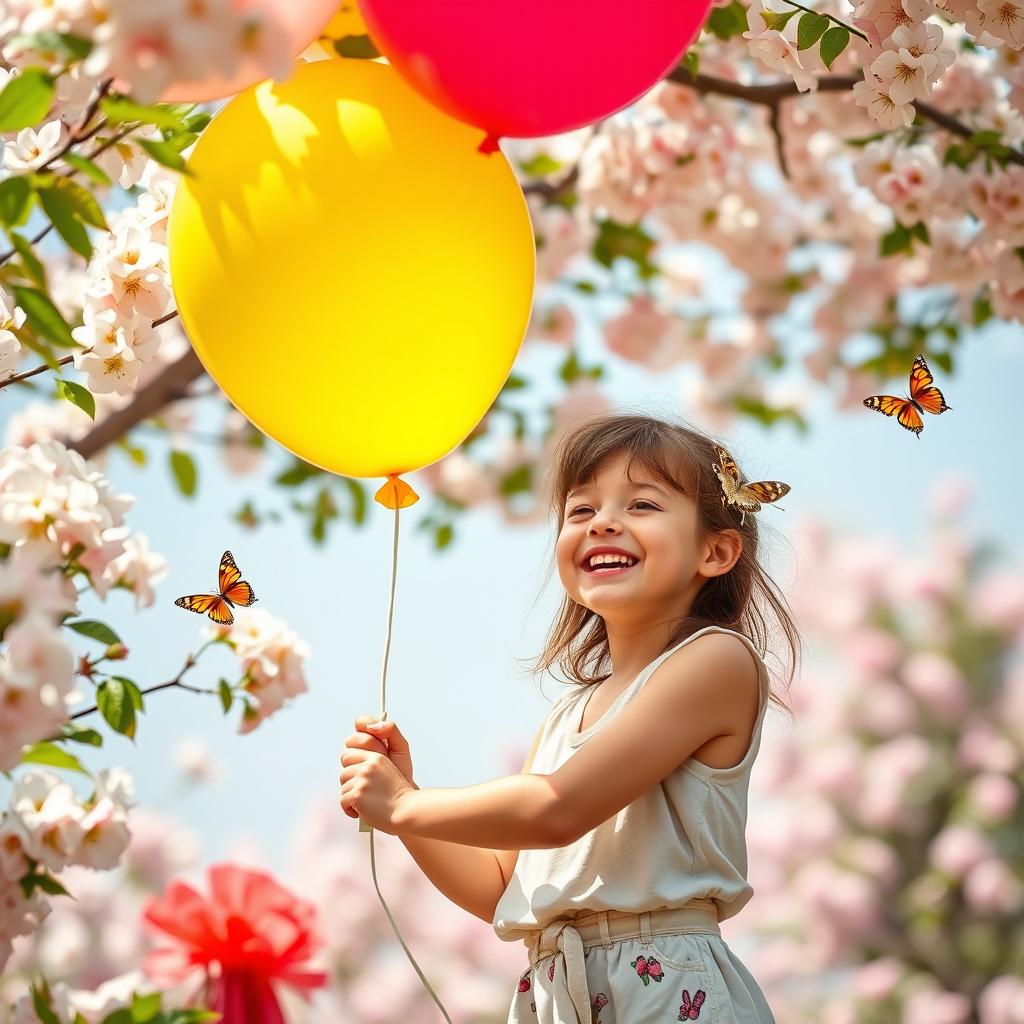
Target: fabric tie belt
(568, 933)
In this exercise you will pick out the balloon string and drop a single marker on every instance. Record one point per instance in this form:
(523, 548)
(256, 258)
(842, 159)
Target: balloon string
(383, 717)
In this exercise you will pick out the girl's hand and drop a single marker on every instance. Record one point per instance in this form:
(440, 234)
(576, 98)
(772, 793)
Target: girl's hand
(391, 743)
(371, 787)
(389, 739)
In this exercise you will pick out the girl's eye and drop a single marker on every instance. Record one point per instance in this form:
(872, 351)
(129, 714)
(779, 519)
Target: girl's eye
(639, 501)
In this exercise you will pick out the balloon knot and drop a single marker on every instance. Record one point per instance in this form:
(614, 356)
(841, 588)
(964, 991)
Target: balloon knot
(489, 145)
(396, 493)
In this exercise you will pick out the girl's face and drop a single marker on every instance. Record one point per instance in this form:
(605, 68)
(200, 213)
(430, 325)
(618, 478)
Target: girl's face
(652, 522)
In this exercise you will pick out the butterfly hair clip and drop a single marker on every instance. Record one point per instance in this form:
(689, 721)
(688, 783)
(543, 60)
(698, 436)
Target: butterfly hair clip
(923, 397)
(745, 497)
(233, 590)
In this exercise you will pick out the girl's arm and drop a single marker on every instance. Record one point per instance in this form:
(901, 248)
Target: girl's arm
(469, 876)
(516, 812)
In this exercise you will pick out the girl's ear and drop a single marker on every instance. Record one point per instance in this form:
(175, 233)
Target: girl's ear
(721, 552)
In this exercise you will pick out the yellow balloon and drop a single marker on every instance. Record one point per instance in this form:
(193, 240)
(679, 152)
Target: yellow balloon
(350, 270)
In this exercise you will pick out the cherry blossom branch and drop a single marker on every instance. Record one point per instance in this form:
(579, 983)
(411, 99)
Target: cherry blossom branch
(170, 386)
(771, 94)
(32, 373)
(68, 359)
(822, 14)
(113, 140)
(76, 135)
(190, 660)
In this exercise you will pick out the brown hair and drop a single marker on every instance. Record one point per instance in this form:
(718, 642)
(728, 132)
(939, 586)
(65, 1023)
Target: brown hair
(744, 599)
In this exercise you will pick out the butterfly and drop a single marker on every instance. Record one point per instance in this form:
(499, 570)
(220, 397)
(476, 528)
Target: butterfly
(690, 1010)
(233, 590)
(746, 497)
(923, 396)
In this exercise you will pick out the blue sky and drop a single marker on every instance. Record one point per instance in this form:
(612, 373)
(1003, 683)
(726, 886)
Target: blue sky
(463, 616)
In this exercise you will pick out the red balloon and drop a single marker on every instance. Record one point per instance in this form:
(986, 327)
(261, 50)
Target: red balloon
(525, 68)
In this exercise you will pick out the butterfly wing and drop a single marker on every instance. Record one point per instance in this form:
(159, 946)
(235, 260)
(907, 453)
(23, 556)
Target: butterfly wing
(229, 573)
(241, 593)
(746, 499)
(727, 463)
(922, 390)
(767, 491)
(902, 408)
(207, 604)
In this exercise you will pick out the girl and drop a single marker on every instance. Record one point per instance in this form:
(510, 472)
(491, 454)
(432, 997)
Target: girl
(620, 847)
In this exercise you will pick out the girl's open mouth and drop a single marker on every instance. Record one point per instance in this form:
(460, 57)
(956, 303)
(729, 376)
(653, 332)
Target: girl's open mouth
(610, 570)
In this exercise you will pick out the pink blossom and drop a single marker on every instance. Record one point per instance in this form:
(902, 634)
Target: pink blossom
(981, 747)
(1002, 1001)
(877, 979)
(958, 848)
(992, 796)
(996, 601)
(991, 888)
(937, 682)
(931, 1006)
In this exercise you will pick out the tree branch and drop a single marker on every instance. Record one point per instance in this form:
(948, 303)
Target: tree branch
(772, 93)
(170, 386)
(190, 660)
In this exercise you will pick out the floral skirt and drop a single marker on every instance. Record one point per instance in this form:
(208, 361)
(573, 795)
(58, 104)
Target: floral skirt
(611, 967)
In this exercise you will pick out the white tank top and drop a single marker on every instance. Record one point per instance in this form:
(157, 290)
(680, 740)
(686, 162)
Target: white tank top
(681, 840)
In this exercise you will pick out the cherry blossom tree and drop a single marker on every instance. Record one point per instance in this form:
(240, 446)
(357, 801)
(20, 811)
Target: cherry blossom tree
(858, 167)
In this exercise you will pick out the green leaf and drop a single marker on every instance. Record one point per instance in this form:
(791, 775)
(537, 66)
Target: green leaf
(863, 140)
(50, 885)
(540, 164)
(145, 1007)
(15, 200)
(121, 110)
(324, 509)
(629, 241)
(981, 311)
(833, 42)
(691, 61)
(297, 474)
(518, 481)
(122, 1015)
(26, 100)
(62, 216)
(197, 122)
(192, 1016)
(777, 20)
(920, 230)
(78, 734)
(134, 693)
(95, 630)
(51, 754)
(43, 316)
(77, 395)
(33, 267)
(810, 28)
(41, 1004)
(897, 240)
(165, 153)
(87, 167)
(184, 470)
(358, 493)
(116, 706)
(726, 22)
(443, 536)
(227, 698)
(78, 198)
(360, 47)
(61, 46)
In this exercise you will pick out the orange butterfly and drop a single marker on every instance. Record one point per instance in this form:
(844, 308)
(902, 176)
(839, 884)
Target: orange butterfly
(233, 590)
(923, 396)
(745, 497)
